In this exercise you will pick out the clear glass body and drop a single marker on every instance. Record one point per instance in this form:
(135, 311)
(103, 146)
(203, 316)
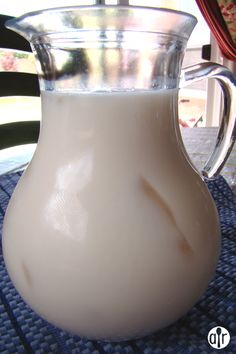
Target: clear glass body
(117, 235)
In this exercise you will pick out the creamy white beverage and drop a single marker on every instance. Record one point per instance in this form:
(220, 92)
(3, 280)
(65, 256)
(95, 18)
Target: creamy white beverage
(110, 233)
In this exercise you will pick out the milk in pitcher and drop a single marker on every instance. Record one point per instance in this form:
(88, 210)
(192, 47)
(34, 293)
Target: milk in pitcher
(108, 212)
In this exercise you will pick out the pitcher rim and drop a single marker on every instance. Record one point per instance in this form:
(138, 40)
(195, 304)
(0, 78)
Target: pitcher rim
(24, 23)
(77, 7)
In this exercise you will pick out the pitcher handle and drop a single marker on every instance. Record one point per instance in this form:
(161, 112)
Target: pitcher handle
(227, 131)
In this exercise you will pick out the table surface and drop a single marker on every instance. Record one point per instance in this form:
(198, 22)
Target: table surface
(23, 331)
(198, 141)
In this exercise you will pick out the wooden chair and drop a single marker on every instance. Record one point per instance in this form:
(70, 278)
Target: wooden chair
(17, 84)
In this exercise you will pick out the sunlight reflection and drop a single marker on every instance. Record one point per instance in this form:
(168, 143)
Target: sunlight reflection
(65, 211)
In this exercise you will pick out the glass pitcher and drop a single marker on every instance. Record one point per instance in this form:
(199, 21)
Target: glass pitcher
(111, 233)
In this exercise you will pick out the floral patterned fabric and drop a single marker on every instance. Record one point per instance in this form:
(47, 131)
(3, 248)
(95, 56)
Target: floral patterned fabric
(228, 11)
(221, 18)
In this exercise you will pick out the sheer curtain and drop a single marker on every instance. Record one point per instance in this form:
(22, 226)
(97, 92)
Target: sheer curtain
(221, 18)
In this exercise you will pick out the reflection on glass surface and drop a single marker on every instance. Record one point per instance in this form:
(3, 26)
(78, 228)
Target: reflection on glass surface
(65, 212)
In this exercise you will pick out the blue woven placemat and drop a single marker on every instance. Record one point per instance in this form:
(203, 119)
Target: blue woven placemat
(22, 331)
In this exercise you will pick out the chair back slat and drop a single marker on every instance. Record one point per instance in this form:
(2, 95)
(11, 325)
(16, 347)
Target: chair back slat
(17, 84)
